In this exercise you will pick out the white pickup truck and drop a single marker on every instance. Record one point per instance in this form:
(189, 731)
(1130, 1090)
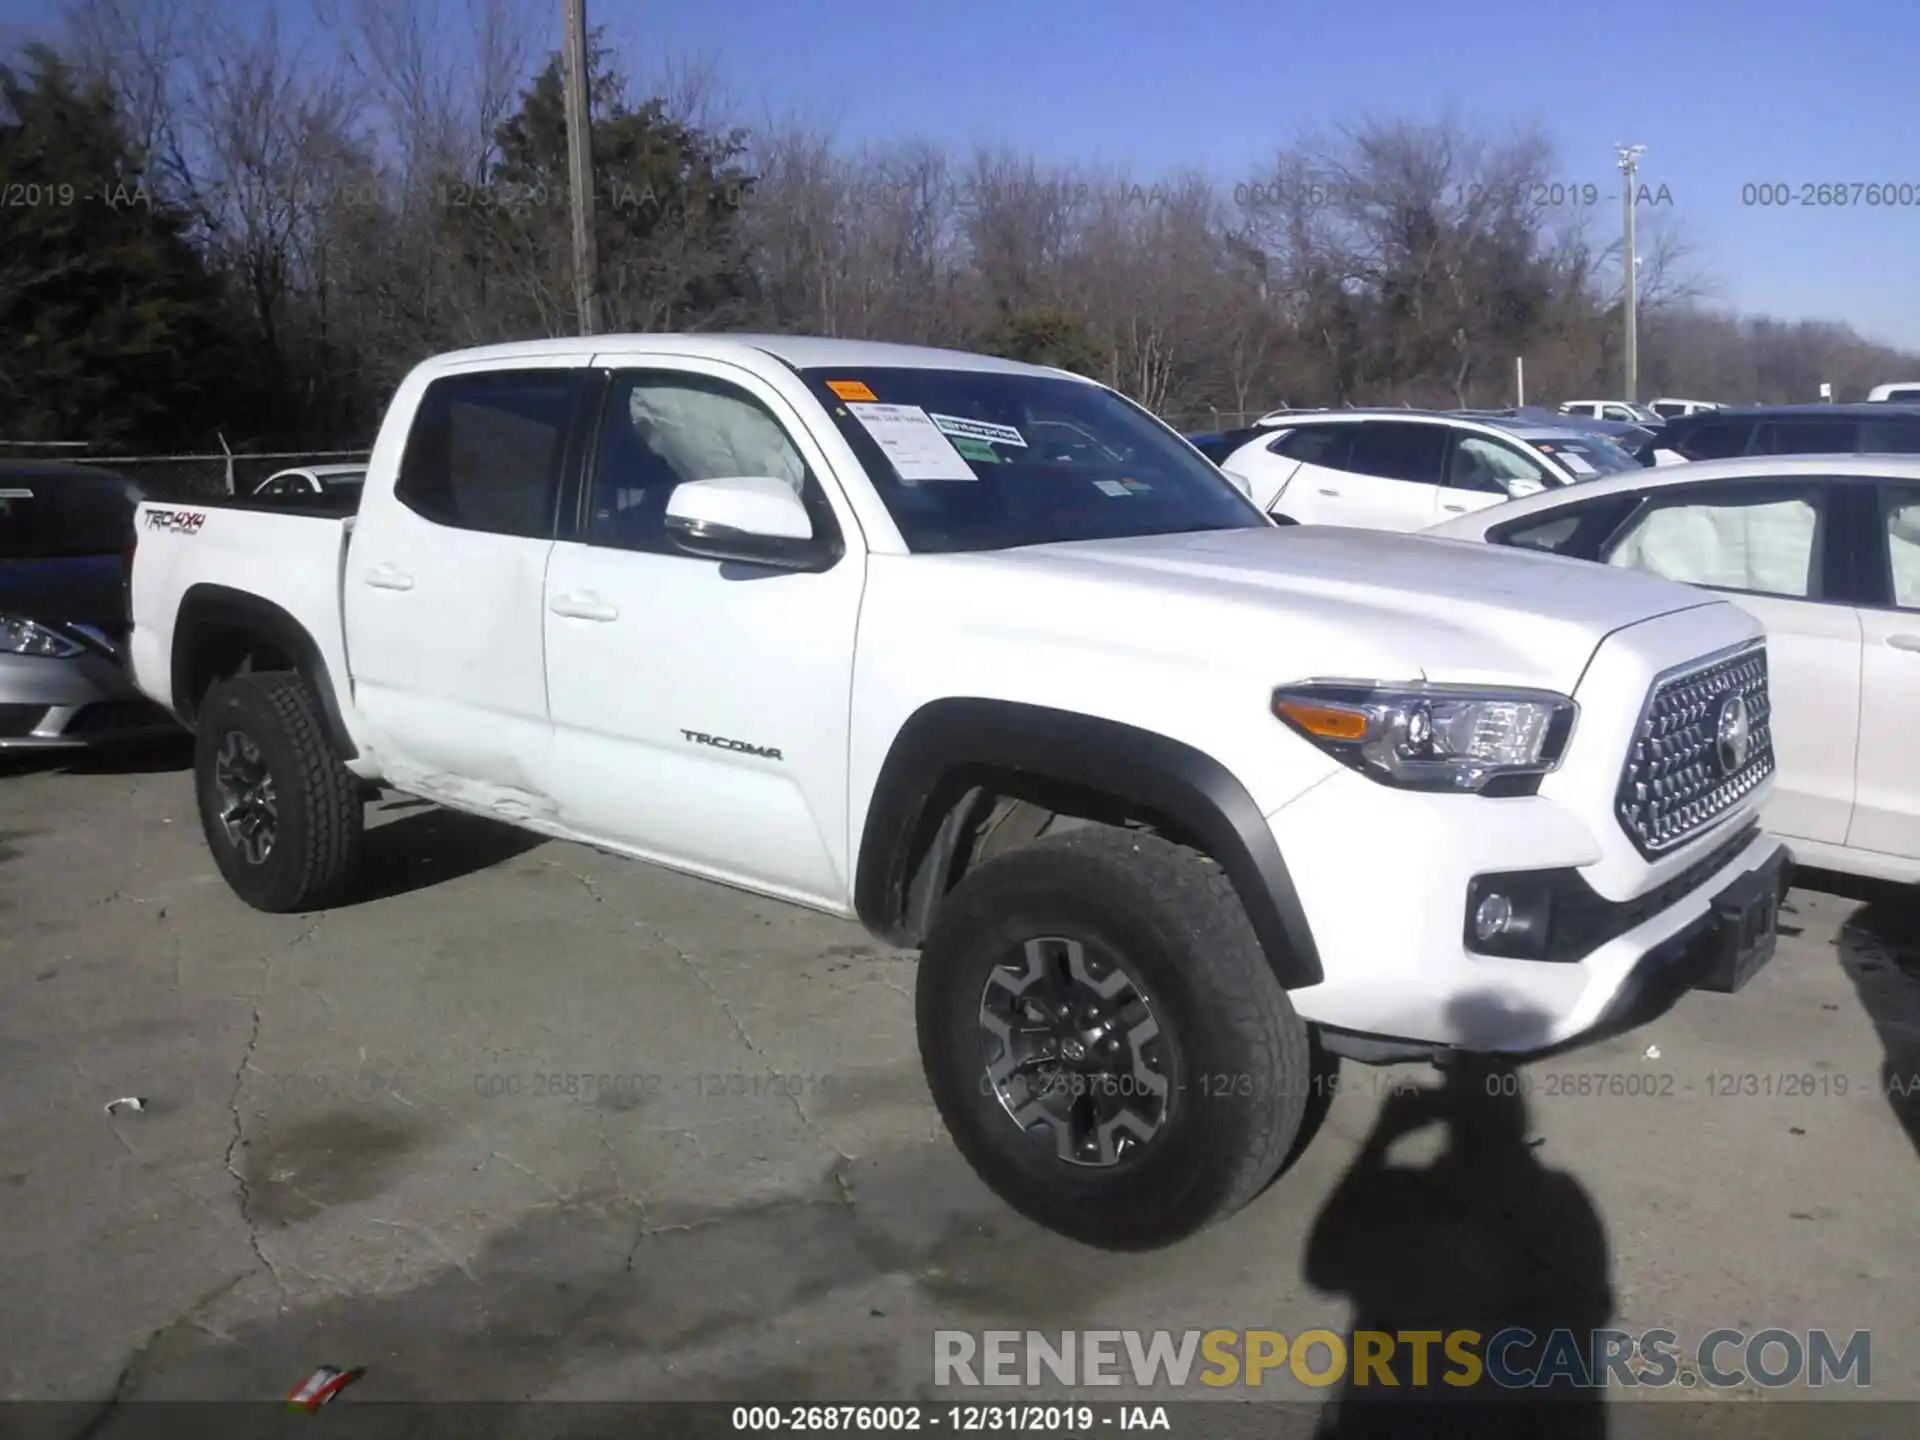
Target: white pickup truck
(1175, 803)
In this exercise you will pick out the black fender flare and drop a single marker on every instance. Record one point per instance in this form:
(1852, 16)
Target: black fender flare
(1138, 767)
(208, 606)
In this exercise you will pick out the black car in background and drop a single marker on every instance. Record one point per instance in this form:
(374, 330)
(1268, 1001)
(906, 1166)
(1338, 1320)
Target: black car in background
(1864, 429)
(64, 533)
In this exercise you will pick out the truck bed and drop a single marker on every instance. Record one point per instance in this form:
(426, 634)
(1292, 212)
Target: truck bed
(195, 556)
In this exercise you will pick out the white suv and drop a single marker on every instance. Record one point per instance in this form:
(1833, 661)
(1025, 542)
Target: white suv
(1404, 469)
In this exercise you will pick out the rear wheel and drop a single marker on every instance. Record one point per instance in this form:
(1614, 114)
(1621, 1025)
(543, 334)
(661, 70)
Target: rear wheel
(1105, 1039)
(283, 817)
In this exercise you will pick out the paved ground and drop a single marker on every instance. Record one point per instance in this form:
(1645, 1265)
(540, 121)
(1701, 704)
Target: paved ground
(355, 1151)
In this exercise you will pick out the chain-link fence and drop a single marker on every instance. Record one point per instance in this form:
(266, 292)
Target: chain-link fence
(186, 477)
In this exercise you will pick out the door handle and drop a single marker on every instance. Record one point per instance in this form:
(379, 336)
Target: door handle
(387, 577)
(1454, 509)
(1904, 642)
(583, 607)
(1334, 493)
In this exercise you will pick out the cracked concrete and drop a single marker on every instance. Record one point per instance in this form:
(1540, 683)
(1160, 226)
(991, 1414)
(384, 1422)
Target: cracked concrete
(530, 1120)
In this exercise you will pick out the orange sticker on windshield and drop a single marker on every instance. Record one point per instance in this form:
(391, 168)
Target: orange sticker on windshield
(851, 390)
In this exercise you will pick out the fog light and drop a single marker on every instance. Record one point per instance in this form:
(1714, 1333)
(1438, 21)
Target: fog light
(1492, 917)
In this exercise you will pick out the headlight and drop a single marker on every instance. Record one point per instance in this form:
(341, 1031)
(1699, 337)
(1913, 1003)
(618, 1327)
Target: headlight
(24, 637)
(1433, 737)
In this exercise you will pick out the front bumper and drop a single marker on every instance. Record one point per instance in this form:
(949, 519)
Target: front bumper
(1386, 911)
(68, 704)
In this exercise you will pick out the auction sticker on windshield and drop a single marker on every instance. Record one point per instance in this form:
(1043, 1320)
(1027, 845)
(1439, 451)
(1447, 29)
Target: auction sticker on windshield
(911, 440)
(978, 429)
(976, 450)
(851, 390)
(1576, 462)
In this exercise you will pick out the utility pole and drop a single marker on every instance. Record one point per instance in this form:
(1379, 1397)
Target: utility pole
(1630, 167)
(586, 259)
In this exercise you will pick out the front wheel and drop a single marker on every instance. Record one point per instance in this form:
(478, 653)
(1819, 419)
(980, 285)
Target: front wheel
(283, 817)
(1106, 1041)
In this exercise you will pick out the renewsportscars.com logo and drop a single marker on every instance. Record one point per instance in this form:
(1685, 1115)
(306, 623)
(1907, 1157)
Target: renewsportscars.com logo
(1510, 1359)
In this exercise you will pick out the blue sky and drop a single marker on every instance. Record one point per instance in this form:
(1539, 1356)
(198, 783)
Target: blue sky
(1723, 96)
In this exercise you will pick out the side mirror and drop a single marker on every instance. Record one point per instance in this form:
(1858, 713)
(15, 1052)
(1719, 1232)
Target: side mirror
(754, 519)
(1518, 488)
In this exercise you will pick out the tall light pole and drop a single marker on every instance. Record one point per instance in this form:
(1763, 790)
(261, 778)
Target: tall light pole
(586, 258)
(1630, 167)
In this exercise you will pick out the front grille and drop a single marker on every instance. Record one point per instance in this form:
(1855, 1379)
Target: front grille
(1680, 777)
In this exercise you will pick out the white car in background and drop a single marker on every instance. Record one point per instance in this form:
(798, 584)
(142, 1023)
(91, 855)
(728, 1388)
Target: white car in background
(1670, 408)
(1906, 394)
(1406, 469)
(1622, 410)
(1825, 551)
(341, 481)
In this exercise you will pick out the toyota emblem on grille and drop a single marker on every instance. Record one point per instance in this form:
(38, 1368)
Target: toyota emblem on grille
(1733, 733)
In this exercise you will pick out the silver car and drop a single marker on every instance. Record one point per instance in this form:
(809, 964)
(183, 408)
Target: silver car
(64, 532)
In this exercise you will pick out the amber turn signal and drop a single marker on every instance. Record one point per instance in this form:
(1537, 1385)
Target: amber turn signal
(1329, 722)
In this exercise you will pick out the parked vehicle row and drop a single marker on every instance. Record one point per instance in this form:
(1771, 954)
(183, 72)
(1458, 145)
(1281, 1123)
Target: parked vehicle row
(986, 657)
(1867, 429)
(1405, 469)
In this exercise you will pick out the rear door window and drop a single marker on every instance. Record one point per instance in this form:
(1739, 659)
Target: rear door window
(1881, 438)
(1719, 440)
(1808, 437)
(1400, 450)
(1328, 446)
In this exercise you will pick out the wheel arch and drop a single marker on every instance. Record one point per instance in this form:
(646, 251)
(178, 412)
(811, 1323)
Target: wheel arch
(954, 757)
(220, 632)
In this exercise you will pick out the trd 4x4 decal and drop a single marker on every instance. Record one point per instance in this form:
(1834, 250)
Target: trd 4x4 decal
(181, 522)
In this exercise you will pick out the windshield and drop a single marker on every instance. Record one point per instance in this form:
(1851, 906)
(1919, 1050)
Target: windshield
(1588, 456)
(985, 460)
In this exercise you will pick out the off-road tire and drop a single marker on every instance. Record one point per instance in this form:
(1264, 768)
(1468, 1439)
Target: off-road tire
(321, 806)
(1240, 1055)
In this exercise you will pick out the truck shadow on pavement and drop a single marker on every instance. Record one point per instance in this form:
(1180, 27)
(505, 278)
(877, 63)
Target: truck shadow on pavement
(1879, 949)
(1486, 1237)
(423, 845)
